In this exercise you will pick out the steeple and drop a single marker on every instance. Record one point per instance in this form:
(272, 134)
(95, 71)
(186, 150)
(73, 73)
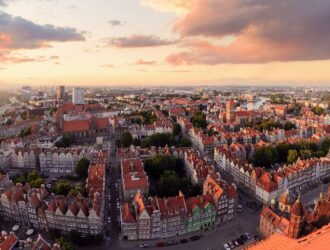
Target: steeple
(297, 217)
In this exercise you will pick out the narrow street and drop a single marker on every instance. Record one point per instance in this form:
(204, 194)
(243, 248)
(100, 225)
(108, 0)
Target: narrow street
(112, 189)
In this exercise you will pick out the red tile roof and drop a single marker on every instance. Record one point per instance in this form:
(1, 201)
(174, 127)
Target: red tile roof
(9, 242)
(102, 123)
(317, 240)
(95, 180)
(127, 216)
(75, 126)
(133, 173)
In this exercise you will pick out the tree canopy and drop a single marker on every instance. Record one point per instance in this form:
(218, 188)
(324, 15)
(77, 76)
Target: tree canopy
(82, 167)
(318, 110)
(126, 139)
(289, 152)
(199, 120)
(167, 176)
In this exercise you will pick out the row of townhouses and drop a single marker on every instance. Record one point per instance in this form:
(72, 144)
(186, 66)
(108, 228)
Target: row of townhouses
(156, 218)
(141, 131)
(143, 153)
(16, 128)
(266, 185)
(50, 161)
(38, 209)
(197, 168)
(203, 142)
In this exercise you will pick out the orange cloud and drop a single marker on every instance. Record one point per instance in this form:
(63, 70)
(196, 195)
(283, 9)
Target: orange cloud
(137, 41)
(265, 31)
(170, 5)
(145, 62)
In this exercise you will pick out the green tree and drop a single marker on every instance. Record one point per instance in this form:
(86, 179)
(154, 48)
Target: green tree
(199, 120)
(126, 139)
(305, 154)
(169, 184)
(265, 157)
(292, 156)
(61, 188)
(19, 178)
(159, 140)
(289, 125)
(318, 110)
(64, 244)
(155, 166)
(176, 129)
(184, 142)
(37, 182)
(82, 167)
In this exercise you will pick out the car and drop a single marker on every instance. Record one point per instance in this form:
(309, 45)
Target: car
(196, 237)
(171, 242)
(231, 244)
(160, 243)
(226, 246)
(248, 235)
(241, 242)
(243, 237)
(236, 243)
(144, 245)
(183, 241)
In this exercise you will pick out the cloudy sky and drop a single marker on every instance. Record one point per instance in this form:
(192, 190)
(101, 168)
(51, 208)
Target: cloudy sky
(140, 42)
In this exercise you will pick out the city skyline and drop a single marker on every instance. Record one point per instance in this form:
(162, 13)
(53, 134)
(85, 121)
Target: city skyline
(155, 42)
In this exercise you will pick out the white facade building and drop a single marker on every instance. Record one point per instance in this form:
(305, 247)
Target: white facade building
(78, 96)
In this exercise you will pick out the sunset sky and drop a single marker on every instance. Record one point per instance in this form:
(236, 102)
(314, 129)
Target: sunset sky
(172, 42)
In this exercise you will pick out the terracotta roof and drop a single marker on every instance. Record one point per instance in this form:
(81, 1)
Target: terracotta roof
(102, 123)
(285, 198)
(133, 173)
(75, 126)
(127, 216)
(41, 244)
(317, 240)
(9, 242)
(297, 208)
(95, 180)
(279, 222)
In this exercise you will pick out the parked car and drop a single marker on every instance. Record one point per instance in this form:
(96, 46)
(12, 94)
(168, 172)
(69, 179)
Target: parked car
(226, 246)
(172, 242)
(241, 242)
(144, 245)
(160, 243)
(244, 237)
(196, 237)
(231, 244)
(183, 241)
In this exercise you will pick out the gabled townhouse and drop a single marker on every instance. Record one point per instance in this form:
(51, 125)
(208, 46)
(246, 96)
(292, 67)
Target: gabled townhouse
(224, 196)
(202, 213)
(197, 168)
(134, 178)
(60, 162)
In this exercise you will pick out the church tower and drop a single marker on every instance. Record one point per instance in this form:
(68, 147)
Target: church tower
(296, 219)
(230, 111)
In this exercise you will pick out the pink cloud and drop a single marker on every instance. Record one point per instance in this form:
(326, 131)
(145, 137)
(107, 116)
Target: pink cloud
(265, 31)
(137, 41)
(145, 62)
